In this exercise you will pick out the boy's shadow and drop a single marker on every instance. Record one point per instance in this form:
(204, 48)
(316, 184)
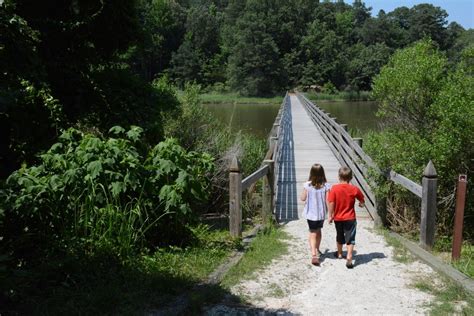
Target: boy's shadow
(358, 258)
(367, 257)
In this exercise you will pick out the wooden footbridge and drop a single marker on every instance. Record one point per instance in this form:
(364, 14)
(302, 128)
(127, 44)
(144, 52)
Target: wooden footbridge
(302, 135)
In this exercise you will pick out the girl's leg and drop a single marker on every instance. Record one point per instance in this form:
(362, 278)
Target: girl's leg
(318, 239)
(312, 243)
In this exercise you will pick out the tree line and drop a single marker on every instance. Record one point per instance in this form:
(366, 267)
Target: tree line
(265, 47)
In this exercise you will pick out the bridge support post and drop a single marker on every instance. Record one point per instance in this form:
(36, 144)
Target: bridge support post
(268, 192)
(235, 198)
(428, 206)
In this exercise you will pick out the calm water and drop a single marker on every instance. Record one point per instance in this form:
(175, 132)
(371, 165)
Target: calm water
(358, 115)
(254, 118)
(258, 118)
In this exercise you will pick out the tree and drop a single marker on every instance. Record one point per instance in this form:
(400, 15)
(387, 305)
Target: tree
(254, 67)
(365, 63)
(194, 60)
(408, 85)
(163, 31)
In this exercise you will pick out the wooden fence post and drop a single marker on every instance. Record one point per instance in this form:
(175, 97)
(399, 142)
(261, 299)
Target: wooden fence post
(235, 198)
(268, 192)
(428, 206)
(459, 217)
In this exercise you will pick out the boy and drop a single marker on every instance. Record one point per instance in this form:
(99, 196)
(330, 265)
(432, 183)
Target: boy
(341, 200)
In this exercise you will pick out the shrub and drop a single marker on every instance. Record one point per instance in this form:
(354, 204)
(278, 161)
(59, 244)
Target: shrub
(431, 118)
(103, 192)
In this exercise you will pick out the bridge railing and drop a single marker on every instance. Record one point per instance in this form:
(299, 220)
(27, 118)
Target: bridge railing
(268, 171)
(349, 152)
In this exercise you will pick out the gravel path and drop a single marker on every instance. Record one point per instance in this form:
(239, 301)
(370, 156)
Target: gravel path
(291, 285)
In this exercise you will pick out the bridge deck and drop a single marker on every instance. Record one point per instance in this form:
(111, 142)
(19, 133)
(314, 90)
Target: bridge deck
(303, 146)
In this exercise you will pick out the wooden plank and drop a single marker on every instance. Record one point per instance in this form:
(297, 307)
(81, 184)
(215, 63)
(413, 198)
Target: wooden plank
(411, 186)
(463, 280)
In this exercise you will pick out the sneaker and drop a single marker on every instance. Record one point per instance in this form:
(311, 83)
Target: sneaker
(315, 261)
(349, 264)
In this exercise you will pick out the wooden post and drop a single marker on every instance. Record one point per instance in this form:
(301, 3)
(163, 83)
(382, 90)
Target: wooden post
(358, 141)
(268, 192)
(428, 206)
(235, 198)
(459, 217)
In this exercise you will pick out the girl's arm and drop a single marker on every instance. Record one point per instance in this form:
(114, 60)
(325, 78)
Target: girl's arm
(304, 195)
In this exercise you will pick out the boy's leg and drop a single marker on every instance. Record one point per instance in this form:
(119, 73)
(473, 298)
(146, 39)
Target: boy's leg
(339, 250)
(350, 233)
(350, 248)
(339, 237)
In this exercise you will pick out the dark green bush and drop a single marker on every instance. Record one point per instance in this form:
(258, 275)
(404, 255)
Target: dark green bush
(103, 192)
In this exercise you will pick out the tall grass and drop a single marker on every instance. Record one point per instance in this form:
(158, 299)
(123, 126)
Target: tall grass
(340, 96)
(229, 97)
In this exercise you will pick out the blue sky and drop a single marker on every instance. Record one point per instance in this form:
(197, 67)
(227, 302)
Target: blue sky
(460, 11)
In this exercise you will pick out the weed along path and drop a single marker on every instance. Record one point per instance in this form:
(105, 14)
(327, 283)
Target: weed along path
(385, 280)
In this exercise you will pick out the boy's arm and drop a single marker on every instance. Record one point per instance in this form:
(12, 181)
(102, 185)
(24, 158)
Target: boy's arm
(331, 211)
(360, 197)
(304, 194)
(330, 204)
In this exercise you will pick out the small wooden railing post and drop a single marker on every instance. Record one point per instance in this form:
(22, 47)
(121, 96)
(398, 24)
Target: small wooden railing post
(459, 217)
(268, 192)
(428, 206)
(235, 198)
(358, 141)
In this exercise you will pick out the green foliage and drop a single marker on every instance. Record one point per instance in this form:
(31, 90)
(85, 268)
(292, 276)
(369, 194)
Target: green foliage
(329, 88)
(409, 84)
(103, 192)
(197, 58)
(431, 115)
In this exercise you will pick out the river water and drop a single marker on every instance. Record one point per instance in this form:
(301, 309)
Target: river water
(258, 118)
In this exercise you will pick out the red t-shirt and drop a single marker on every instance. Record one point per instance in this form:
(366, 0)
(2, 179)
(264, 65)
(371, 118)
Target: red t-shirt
(344, 195)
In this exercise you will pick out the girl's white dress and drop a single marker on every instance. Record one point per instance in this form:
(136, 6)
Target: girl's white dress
(315, 208)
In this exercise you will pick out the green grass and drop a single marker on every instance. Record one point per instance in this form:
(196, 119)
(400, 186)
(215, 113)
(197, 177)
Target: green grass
(465, 264)
(449, 298)
(267, 246)
(236, 98)
(340, 96)
(77, 284)
(400, 253)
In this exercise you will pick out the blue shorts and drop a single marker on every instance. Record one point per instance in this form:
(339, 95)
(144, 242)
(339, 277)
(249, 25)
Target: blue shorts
(346, 232)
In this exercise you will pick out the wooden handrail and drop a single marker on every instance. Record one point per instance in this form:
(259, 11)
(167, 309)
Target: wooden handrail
(254, 177)
(268, 171)
(413, 187)
(349, 153)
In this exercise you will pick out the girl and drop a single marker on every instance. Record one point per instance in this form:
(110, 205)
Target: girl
(315, 195)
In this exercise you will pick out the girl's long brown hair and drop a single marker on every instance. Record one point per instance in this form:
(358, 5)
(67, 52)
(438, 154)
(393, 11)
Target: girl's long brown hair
(317, 176)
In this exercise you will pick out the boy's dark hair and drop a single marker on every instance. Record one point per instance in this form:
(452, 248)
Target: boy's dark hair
(345, 174)
(317, 176)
